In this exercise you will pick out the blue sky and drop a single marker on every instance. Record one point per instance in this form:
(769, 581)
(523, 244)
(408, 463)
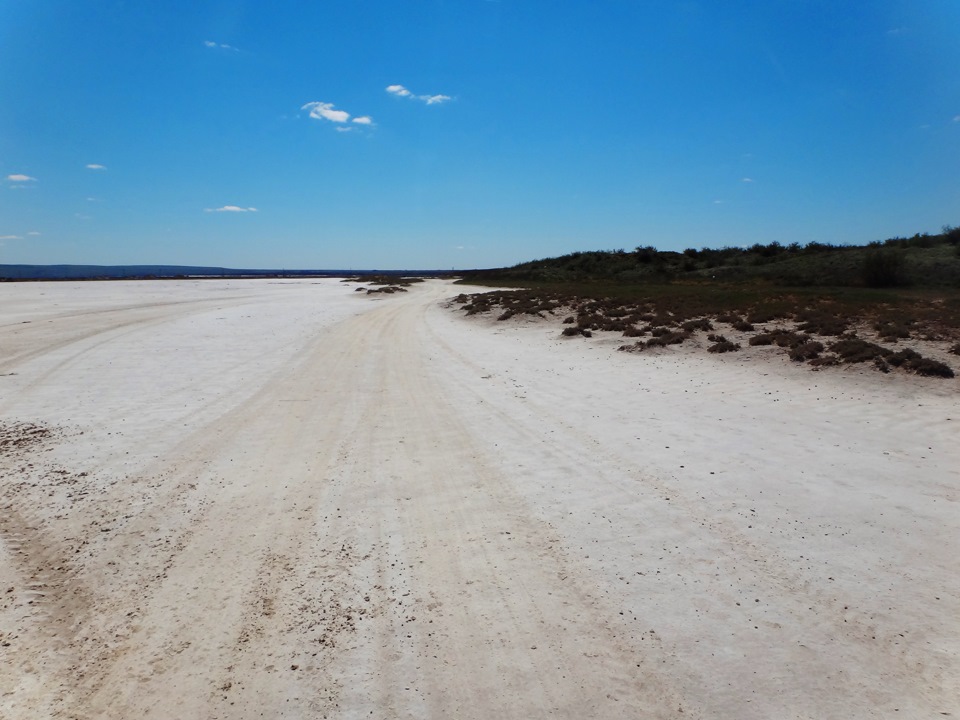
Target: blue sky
(469, 133)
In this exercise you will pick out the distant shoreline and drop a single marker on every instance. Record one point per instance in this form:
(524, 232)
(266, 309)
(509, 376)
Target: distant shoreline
(39, 273)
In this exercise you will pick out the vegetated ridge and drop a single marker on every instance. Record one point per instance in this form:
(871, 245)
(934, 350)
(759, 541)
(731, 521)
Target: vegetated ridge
(823, 305)
(920, 261)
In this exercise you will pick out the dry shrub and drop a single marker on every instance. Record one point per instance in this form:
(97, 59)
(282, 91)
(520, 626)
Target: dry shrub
(700, 324)
(824, 361)
(823, 324)
(742, 326)
(914, 362)
(892, 331)
(723, 345)
(780, 338)
(856, 350)
(671, 337)
(806, 351)
(931, 368)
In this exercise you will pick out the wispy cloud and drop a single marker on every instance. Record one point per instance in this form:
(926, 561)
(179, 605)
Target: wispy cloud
(20, 178)
(363, 120)
(11, 237)
(219, 46)
(96, 166)
(747, 180)
(401, 91)
(33, 233)
(231, 209)
(956, 118)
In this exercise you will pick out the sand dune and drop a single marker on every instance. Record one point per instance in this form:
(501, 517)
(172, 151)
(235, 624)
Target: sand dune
(240, 499)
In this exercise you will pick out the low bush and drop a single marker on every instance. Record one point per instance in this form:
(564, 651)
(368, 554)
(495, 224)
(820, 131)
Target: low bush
(856, 350)
(728, 318)
(780, 338)
(903, 357)
(824, 361)
(723, 345)
(700, 324)
(742, 326)
(892, 331)
(674, 337)
(806, 351)
(931, 368)
(822, 324)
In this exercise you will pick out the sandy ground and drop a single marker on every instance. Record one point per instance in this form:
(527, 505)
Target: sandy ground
(245, 499)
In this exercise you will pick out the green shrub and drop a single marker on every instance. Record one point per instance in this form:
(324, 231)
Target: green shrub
(883, 268)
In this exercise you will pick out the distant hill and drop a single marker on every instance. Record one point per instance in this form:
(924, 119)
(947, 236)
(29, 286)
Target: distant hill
(133, 272)
(921, 261)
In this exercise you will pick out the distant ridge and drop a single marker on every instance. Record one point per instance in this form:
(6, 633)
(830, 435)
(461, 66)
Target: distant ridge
(143, 272)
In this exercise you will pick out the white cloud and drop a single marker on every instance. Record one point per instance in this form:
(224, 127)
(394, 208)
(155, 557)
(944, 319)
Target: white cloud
(341, 128)
(956, 118)
(33, 233)
(363, 120)
(231, 208)
(746, 180)
(96, 166)
(20, 178)
(401, 91)
(224, 46)
(718, 202)
(325, 111)
(11, 237)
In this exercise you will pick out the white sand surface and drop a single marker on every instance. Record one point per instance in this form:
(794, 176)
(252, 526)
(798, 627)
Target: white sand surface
(289, 500)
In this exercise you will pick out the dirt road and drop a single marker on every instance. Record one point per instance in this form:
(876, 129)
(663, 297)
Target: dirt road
(240, 500)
